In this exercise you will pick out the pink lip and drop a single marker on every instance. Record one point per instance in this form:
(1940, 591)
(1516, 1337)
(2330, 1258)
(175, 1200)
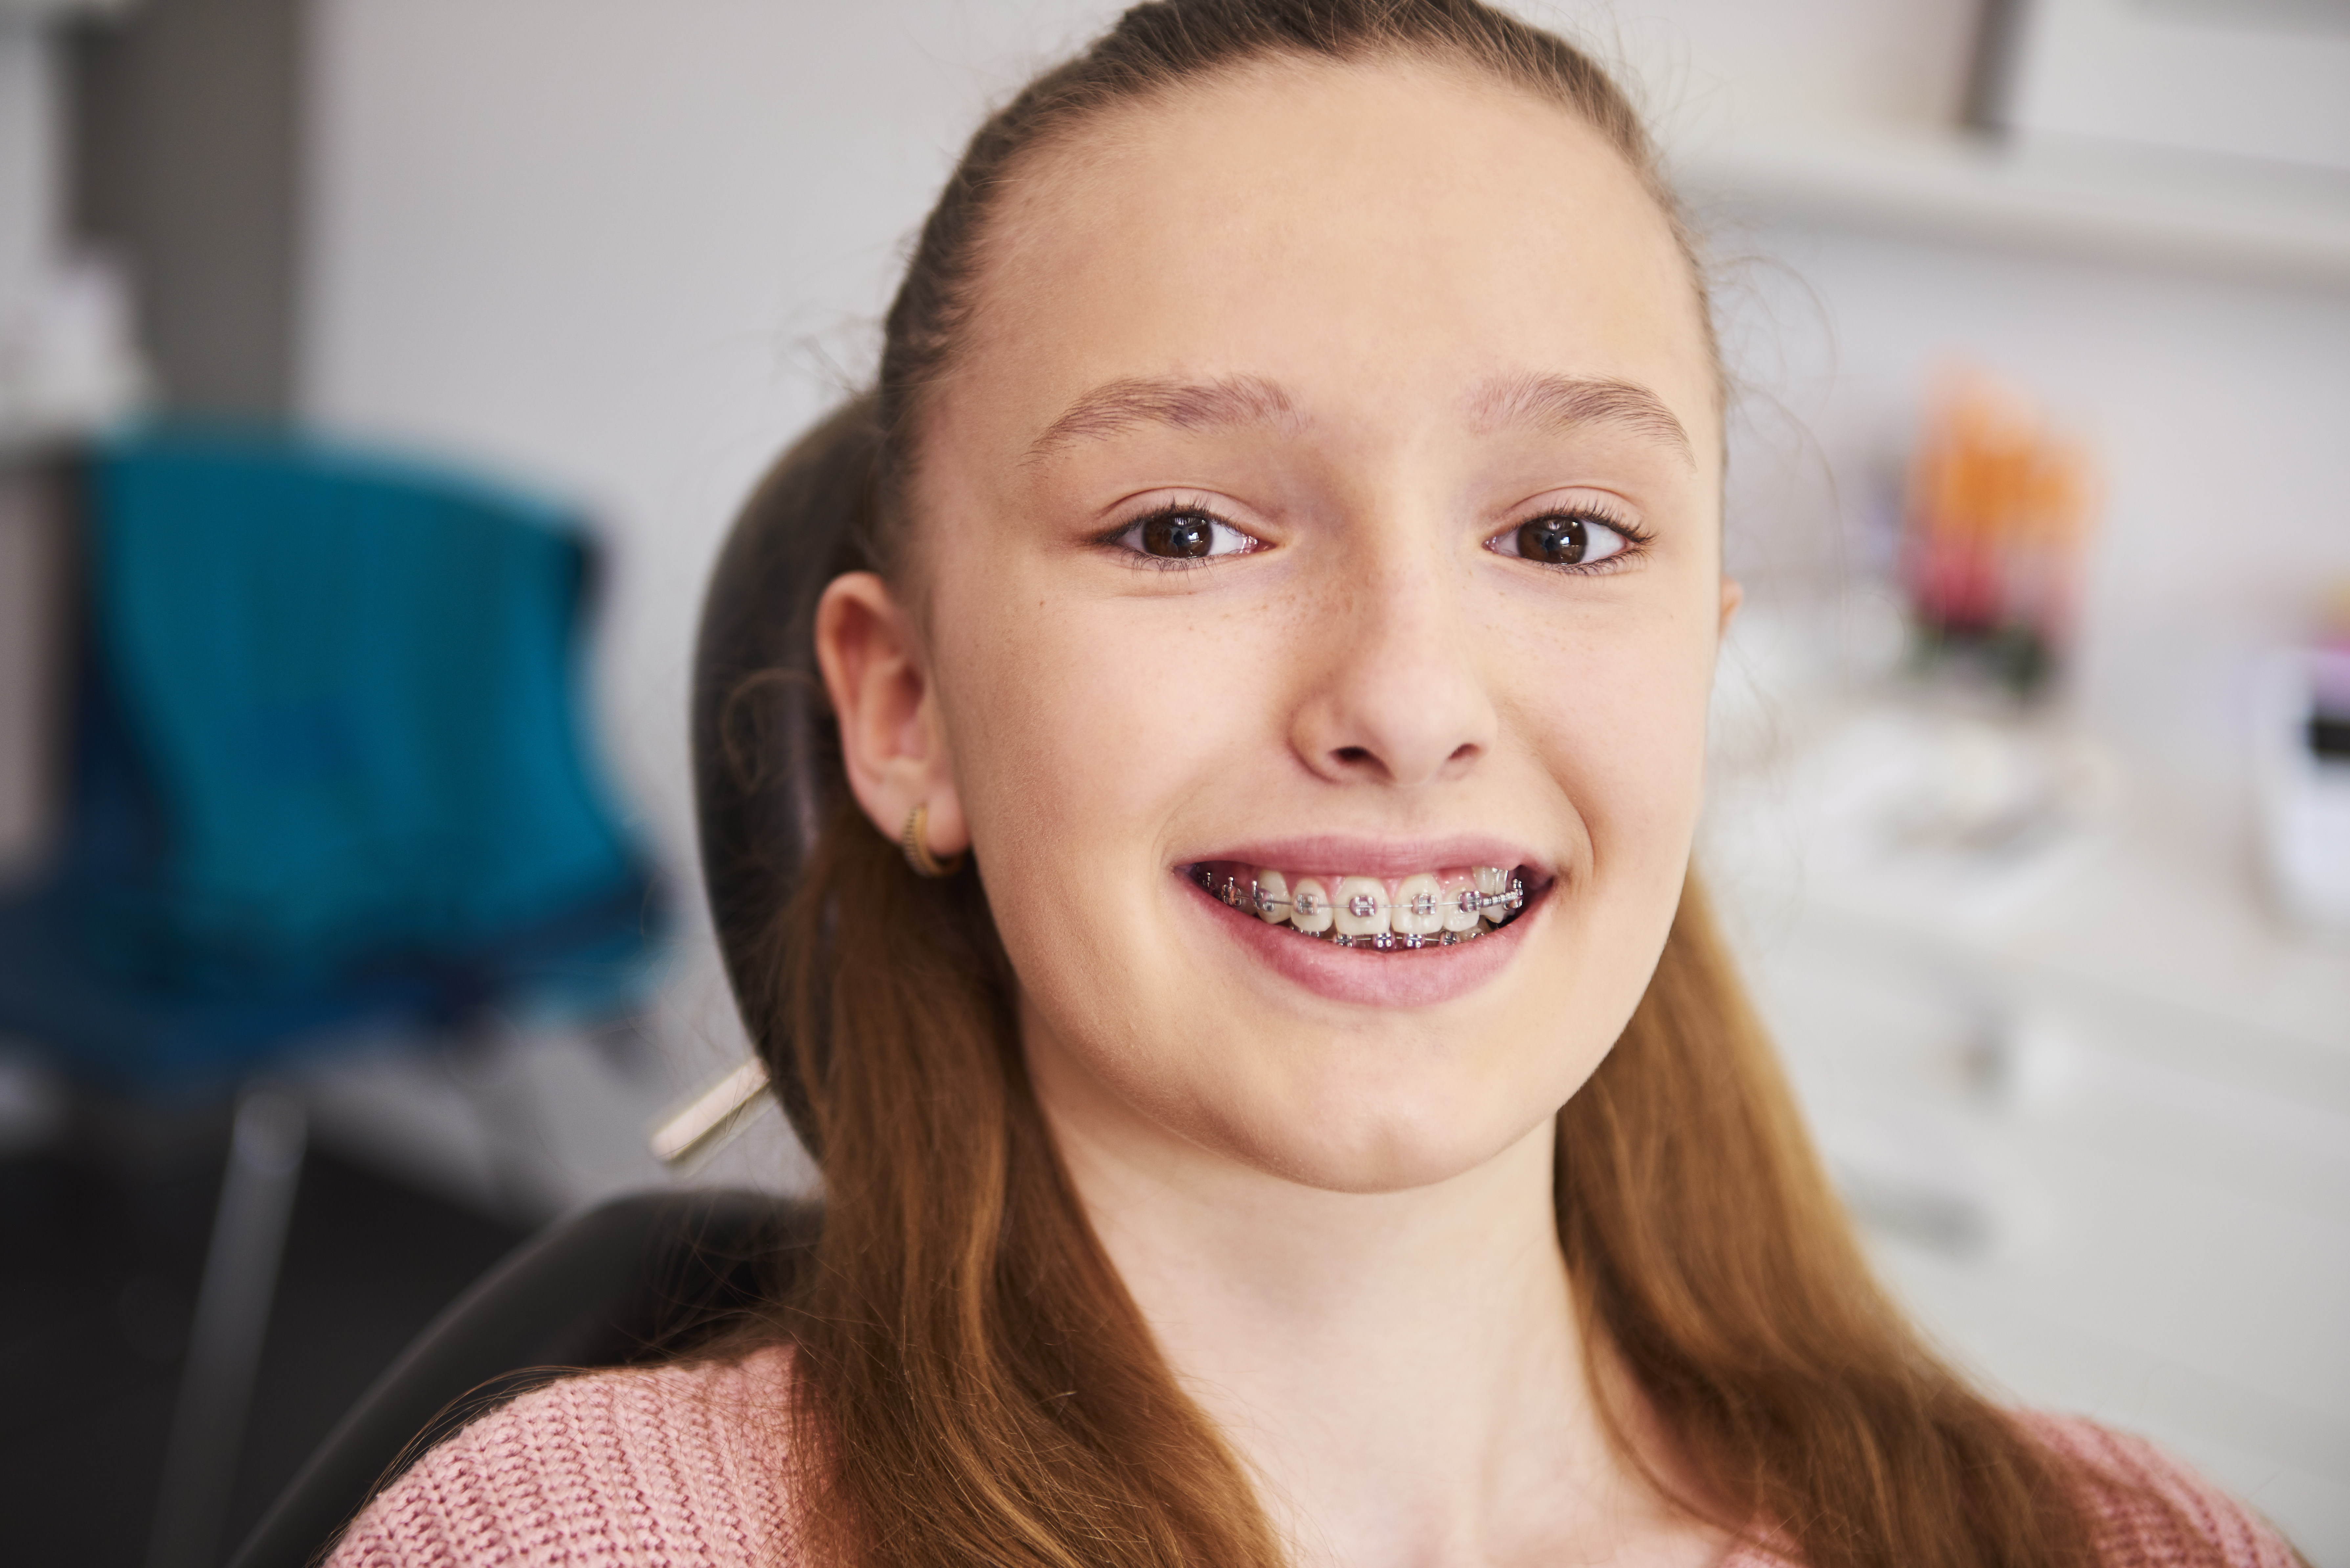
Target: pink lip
(1368, 978)
(1337, 855)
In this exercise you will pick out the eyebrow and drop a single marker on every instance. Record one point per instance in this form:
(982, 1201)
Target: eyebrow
(1538, 399)
(1119, 406)
(1565, 402)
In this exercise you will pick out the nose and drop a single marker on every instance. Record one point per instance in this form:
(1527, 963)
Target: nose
(1394, 692)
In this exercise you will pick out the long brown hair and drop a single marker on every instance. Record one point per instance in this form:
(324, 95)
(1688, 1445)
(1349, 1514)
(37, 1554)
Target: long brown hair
(974, 1383)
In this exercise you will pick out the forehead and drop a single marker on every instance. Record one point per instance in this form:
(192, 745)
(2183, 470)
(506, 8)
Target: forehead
(1371, 235)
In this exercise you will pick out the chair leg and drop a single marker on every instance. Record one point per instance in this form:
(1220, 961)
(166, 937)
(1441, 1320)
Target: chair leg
(241, 1264)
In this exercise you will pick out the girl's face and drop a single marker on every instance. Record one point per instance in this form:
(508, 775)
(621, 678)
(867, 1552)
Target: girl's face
(1325, 503)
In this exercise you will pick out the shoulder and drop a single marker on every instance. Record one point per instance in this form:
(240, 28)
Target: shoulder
(2153, 1512)
(2150, 1511)
(678, 1465)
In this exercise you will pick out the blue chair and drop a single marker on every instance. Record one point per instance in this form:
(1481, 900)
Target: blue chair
(328, 777)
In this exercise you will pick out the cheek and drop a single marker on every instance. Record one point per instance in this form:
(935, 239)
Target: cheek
(1623, 744)
(1081, 734)
(1029, 752)
(1086, 732)
(1617, 718)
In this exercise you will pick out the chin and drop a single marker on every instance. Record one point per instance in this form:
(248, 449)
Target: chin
(1419, 1138)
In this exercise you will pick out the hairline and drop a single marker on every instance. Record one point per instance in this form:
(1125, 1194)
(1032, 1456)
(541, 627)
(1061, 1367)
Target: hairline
(1074, 138)
(1074, 134)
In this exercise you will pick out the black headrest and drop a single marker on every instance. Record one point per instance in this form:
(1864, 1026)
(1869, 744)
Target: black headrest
(766, 767)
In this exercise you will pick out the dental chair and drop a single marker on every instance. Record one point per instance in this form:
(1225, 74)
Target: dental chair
(635, 1280)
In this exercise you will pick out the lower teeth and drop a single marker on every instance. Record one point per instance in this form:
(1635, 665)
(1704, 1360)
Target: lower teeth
(1252, 897)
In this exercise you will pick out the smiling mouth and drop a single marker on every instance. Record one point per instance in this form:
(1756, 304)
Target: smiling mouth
(1384, 914)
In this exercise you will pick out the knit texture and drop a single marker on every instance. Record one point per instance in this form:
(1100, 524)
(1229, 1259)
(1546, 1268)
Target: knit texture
(2133, 1533)
(681, 1467)
(673, 1466)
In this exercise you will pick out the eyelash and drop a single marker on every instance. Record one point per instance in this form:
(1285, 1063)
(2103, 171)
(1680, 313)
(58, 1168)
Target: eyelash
(1115, 538)
(1636, 540)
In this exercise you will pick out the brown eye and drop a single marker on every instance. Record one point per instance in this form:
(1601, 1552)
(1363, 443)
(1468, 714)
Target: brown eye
(1182, 536)
(1560, 539)
(1555, 541)
(1179, 534)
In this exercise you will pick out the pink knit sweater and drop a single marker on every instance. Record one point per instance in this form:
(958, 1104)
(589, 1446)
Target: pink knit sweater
(678, 1468)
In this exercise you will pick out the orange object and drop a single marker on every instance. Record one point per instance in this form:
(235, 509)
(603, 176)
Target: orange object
(2000, 507)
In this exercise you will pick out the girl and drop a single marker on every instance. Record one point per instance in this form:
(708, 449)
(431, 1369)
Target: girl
(1279, 1095)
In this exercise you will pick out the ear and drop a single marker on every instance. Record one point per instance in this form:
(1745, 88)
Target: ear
(890, 737)
(1732, 595)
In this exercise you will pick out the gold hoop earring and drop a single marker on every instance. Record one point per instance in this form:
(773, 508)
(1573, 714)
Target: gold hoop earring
(915, 842)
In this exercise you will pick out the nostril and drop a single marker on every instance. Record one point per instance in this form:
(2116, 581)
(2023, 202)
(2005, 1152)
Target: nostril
(1353, 756)
(1463, 752)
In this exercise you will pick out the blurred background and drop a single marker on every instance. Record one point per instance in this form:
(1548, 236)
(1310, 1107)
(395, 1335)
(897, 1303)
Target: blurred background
(2032, 813)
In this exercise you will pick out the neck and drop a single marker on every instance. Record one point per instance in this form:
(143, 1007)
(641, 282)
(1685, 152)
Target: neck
(1401, 1371)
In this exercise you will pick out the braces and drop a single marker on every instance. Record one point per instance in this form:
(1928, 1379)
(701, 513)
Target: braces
(1362, 905)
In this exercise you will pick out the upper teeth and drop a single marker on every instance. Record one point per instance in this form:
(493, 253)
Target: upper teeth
(1428, 906)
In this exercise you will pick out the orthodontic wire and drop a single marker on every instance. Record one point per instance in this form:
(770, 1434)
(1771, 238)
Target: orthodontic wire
(1362, 907)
